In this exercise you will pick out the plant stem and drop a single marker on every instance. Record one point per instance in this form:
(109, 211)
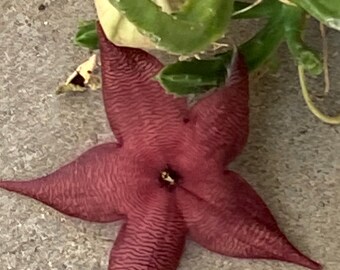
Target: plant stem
(335, 120)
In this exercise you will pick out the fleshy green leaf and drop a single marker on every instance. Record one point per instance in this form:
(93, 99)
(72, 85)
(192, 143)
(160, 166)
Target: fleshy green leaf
(326, 11)
(197, 76)
(193, 28)
(193, 76)
(87, 35)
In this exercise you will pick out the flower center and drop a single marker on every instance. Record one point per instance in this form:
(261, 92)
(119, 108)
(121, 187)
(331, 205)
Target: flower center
(168, 178)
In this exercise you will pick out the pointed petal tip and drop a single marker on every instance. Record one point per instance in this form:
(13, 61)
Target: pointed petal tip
(240, 223)
(104, 42)
(105, 45)
(101, 33)
(293, 255)
(285, 251)
(27, 188)
(238, 57)
(307, 262)
(239, 66)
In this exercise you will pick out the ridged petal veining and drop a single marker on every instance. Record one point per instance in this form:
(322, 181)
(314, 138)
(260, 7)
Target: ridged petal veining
(158, 134)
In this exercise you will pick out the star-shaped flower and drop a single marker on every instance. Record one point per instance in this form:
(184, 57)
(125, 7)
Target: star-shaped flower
(166, 177)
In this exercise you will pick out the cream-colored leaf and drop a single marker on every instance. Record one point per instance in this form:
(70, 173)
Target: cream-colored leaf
(120, 30)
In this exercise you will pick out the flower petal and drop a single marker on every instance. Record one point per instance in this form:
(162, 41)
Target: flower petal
(153, 237)
(220, 121)
(225, 215)
(138, 109)
(91, 187)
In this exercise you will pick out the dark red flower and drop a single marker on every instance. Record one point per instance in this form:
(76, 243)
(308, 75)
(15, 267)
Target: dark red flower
(166, 177)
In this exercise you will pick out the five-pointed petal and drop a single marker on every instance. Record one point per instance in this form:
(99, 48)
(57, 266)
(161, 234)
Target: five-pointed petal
(158, 134)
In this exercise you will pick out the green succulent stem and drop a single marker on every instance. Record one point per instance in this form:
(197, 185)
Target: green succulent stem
(258, 49)
(304, 55)
(331, 120)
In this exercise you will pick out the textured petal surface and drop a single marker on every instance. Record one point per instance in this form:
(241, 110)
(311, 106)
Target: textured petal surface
(226, 215)
(99, 186)
(153, 238)
(138, 109)
(220, 120)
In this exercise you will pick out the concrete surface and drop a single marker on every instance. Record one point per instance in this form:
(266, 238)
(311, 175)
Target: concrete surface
(292, 159)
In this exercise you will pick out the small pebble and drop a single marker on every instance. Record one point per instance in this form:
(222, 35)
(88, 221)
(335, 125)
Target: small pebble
(42, 7)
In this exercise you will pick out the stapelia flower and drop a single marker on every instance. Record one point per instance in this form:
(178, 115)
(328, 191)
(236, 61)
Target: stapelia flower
(166, 175)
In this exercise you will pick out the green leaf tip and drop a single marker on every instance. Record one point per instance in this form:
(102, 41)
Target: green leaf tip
(87, 35)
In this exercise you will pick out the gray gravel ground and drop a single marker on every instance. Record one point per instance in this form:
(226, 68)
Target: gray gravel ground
(292, 159)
